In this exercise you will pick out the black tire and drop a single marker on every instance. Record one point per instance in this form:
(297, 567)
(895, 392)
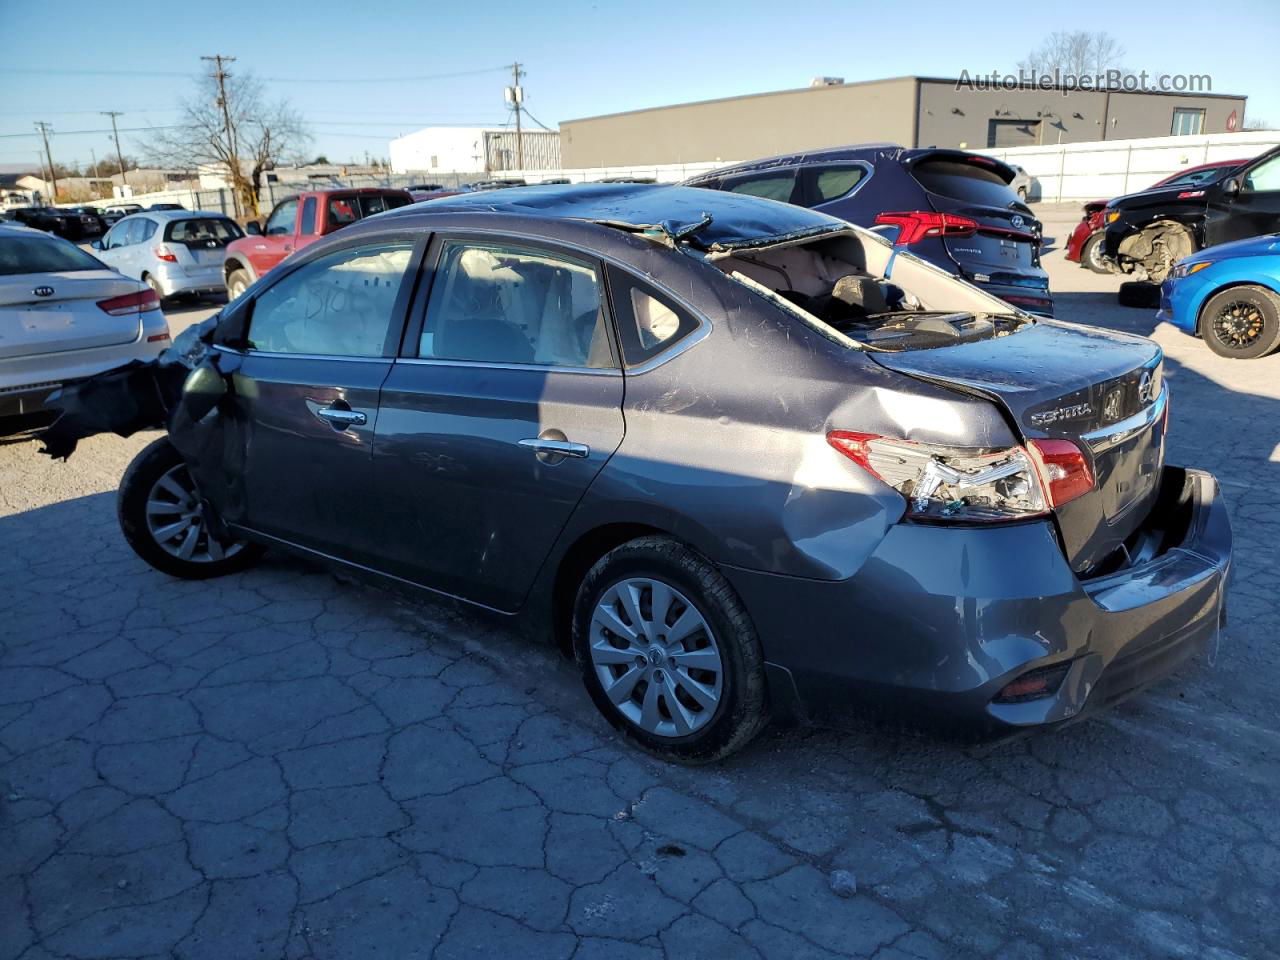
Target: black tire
(1135, 294)
(741, 711)
(1091, 254)
(238, 282)
(1242, 323)
(156, 461)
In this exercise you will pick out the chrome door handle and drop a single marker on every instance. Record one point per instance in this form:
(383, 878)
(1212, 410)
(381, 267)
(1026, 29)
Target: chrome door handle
(342, 419)
(563, 448)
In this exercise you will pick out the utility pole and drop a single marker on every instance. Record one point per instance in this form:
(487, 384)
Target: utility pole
(221, 75)
(124, 180)
(53, 176)
(515, 94)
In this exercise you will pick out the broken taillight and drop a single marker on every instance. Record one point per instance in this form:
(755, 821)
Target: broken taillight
(138, 302)
(971, 484)
(918, 225)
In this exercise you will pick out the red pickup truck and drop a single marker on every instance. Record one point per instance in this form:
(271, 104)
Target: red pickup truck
(296, 222)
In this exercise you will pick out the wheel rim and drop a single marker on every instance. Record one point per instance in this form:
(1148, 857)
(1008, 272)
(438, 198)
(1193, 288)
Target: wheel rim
(656, 657)
(235, 289)
(1095, 255)
(1238, 325)
(151, 282)
(176, 521)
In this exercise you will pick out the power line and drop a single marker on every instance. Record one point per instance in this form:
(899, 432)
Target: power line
(74, 133)
(412, 78)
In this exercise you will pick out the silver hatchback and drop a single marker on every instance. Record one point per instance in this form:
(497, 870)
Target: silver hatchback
(173, 251)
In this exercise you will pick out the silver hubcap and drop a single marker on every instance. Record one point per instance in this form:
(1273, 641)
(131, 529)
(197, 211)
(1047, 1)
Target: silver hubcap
(656, 657)
(175, 520)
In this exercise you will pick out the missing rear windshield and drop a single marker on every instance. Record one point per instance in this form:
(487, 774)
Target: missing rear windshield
(854, 290)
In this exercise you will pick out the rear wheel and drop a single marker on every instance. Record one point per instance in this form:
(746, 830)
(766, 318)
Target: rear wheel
(163, 519)
(237, 283)
(151, 282)
(1091, 254)
(668, 652)
(1242, 323)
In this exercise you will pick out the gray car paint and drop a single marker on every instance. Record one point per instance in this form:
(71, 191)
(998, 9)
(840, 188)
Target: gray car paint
(723, 445)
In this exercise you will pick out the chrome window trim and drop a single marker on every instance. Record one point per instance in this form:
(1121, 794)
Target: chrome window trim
(300, 356)
(695, 336)
(1104, 439)
(497, 365)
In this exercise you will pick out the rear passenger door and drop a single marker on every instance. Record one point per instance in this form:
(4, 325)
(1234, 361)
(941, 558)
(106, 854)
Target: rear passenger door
(503, 406)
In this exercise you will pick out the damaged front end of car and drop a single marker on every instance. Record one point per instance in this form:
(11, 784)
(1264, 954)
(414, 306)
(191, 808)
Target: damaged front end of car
(181, 391)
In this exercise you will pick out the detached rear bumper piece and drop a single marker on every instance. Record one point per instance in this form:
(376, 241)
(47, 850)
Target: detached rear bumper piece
(988, 631)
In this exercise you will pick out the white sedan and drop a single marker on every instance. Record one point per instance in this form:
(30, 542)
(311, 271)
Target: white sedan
(64, 315)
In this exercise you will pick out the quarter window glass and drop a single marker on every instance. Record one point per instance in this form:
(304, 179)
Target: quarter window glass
(648, 323)
(1265, 178)
(775, 186)
(308, 216)
(339, 305)
(500, 304)
(282, 219)
(837, 181)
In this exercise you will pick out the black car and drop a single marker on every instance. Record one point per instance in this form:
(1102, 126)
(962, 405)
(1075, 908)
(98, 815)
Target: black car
(1148, 232)
(91, 222)
(165, 206)
(67, 223)
(953, 208)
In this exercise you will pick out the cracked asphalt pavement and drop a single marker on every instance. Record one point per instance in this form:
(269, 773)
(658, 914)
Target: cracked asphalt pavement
(287, 764)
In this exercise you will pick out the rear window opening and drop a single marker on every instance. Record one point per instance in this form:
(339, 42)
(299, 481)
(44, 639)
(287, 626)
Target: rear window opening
(852, 288)
(203, 232)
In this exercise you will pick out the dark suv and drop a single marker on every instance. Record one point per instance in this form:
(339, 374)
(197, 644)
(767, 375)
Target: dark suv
(953, 208)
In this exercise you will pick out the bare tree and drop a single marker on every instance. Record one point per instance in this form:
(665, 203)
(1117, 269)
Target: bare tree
(1257, 123)
(1077, 52)
(262, 134)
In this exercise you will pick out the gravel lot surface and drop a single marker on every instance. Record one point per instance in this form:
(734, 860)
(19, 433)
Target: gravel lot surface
(283, 763)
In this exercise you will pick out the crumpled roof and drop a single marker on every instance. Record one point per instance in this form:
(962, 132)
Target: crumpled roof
(736, 220)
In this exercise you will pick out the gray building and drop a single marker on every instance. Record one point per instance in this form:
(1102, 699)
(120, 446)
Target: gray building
(913, 111)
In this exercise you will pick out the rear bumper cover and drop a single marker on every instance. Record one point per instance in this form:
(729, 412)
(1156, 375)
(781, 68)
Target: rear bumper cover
(939, 620)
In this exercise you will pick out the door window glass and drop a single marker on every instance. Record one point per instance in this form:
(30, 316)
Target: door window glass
(308, 216)
(771, 186)
(282, 219)
(501, 304)
(1264, 178)
(835, 182)
(342, 304)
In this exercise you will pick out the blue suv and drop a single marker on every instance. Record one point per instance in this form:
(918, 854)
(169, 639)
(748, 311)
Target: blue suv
(953, 208)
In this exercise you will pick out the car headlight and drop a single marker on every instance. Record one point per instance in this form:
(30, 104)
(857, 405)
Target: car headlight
(1187, 269)
(944, 484)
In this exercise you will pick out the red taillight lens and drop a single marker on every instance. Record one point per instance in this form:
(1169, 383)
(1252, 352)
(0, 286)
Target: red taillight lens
(1063, 468)
(164, 253)
(138, 302)
(919, 225)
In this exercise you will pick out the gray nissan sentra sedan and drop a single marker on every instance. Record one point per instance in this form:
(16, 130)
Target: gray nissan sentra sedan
(738, 456)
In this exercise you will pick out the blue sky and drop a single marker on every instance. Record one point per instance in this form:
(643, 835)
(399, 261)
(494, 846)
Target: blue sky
(582, 58)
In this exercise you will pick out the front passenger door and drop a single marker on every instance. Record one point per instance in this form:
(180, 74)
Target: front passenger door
(319, 343)
(277, 238)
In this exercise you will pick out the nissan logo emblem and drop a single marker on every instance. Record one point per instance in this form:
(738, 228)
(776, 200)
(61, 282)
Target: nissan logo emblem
(43, 291)
(1147, 387)
(1017, 222)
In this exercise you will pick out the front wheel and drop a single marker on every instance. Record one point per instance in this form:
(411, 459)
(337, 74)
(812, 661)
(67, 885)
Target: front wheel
(163, 519)
(1091, 254)
(1242, 323)
(237, 283)
(668, 652)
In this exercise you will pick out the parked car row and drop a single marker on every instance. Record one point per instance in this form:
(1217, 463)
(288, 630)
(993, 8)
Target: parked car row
(739, 457)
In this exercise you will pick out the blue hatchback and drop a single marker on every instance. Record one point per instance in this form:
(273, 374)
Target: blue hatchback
(1230, 296)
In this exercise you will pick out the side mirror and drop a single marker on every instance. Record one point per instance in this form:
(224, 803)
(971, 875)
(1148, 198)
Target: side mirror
(253, 228)
(202, 390)
(1231, 186)
(97, 245)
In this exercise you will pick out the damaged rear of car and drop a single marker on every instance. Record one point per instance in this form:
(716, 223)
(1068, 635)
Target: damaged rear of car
(742, 457)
